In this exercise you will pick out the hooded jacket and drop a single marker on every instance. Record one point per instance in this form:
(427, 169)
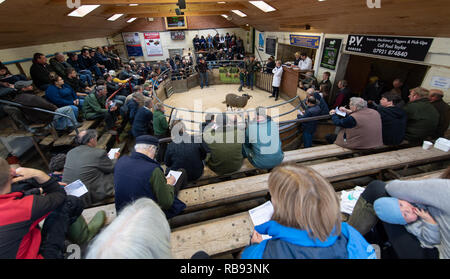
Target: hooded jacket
(291, 243)
(393, 121)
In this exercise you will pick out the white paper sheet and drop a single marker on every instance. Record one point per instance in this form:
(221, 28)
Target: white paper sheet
(176, 174)
(112, 153)
(76, 189)
(262, 214)
(340, 113)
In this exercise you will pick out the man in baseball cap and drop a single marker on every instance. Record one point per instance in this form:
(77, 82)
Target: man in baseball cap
(140, 175)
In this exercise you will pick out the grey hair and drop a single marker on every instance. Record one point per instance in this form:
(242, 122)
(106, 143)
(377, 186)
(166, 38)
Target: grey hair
(140, 231)
(100, 88)
(310, 91)
(358, 102)
(147, 101)
(85, 138)
(143, 146)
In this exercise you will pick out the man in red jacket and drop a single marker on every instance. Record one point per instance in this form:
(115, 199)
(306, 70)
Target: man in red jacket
(28, 196)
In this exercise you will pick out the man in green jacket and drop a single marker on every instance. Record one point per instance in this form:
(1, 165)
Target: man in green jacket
(225, 145)
(59, 65)
(94, 107)
(436, 99)
(160, 129)
(423, 118)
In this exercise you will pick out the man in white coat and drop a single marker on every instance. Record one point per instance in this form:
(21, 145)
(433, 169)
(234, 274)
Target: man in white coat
(277, 74)
(305, 62)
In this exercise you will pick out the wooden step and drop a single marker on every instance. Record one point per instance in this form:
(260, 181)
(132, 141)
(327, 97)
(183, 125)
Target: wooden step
(223, 235)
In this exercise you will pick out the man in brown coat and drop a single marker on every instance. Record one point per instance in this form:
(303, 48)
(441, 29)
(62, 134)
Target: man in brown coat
(436, 99)
(361, 128)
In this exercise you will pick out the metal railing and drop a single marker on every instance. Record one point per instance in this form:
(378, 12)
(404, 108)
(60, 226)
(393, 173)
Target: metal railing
(244, 114)
(41, 110)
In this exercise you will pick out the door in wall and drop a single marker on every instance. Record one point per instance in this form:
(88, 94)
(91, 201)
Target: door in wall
(361, 68)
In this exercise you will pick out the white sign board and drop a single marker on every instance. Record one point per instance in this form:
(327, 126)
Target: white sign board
(440, 82)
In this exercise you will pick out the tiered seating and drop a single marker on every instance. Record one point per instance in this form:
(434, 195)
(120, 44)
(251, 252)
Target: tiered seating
(232, 191)
(199, 198)
(301, 156)
(223, 235)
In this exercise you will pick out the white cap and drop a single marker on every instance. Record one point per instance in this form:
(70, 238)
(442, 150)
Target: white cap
(112, 73)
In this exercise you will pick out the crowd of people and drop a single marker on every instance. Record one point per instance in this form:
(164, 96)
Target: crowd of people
(412, 215)
(377, 117)
(220, 47)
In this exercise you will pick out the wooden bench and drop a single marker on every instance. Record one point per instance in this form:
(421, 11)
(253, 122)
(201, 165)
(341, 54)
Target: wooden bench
(254, 187)
(67, 139)
(223, 235)
(251, 187)
(304, 155)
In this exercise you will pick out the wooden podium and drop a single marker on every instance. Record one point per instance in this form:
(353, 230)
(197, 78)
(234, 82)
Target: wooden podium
(289, 81)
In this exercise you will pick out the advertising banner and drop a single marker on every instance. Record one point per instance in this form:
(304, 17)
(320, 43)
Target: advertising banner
(396, 47)
(153, 44)
(133, 44)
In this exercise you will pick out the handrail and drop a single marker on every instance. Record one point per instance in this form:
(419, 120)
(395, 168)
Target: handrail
(227, 112)
(303, 120)
(41, 110)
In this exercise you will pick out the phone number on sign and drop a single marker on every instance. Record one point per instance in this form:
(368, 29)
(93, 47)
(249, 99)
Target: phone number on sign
(390, 52)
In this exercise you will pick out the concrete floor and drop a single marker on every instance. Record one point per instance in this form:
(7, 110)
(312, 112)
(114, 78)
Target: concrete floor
(210, 100)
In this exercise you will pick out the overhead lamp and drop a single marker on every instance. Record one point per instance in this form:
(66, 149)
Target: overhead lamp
(131, 20)
(83, 10)
(239, 13)
(115, 17)
(263, 6)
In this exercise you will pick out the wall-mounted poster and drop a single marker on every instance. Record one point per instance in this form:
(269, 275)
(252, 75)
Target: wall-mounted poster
(396, 47)
(305, 41)
(133, 44)
(271, 46)
(330, 53)
(153, 44)
(177, 35)
(261, 42)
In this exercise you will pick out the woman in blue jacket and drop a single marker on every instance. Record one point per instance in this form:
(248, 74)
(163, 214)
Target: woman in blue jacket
(306, 223)
(62, 95)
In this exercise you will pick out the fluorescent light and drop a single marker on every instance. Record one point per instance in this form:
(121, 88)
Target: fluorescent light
(221, 2)
(133, 5)
(115, 17)
(263, 6)
(1, 1)
(239, 13)
(131, 20)
(225, 16)
(83, 10)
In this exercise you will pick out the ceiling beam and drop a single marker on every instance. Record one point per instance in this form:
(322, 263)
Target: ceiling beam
(166, 14)
(171, 8)
(142, 2)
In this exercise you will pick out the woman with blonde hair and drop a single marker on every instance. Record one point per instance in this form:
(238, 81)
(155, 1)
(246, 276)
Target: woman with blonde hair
(306, 223)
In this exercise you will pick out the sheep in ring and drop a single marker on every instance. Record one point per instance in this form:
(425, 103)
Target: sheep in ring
(235, 101)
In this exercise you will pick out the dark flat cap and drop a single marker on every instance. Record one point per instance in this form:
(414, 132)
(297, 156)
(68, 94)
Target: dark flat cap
(147, 140)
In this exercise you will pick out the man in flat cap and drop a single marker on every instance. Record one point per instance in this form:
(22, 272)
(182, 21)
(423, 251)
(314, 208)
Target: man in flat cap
(140, 175)
(436, 99)
(92, 166)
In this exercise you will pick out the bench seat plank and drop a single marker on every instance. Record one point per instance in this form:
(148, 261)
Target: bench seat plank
(333, 171)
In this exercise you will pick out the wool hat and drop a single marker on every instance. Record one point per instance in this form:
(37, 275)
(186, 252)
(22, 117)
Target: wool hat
(388, 210)
(146, 139)
(22, 84)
